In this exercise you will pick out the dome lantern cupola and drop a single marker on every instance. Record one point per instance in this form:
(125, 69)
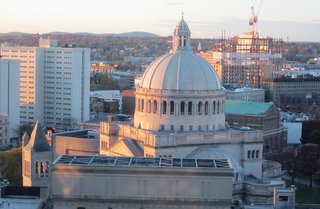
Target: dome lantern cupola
(181, 36)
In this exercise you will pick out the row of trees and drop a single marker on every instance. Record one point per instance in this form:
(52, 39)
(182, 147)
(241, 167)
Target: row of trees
(102, 82)
(304, 160)
(10, 165)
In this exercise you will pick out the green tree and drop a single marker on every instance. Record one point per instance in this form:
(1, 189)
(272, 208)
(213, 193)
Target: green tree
(308, 156)
(311, 132)
(288, 161)
(11, 164)
(20, 130)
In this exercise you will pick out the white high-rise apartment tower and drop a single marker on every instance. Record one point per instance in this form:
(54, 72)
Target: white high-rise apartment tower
(54, 83)
(9, 96)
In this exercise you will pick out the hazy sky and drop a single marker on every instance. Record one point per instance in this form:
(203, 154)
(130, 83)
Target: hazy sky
(298, 20)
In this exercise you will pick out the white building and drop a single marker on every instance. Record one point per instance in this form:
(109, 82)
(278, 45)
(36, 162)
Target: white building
(54, 83)
(246, 94)
(180, 114)
(132, 182)
(9, 93)
(177, 153)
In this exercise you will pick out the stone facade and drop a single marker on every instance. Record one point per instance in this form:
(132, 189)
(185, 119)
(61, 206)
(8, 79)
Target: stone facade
(182, 144)
(92, 187)
(165, 110)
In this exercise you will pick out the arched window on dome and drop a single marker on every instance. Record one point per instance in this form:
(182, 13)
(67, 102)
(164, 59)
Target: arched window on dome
(257, 154)
(218, 107)
(149, 106)
(182, 107)
(138, 105)
(189, 108)
(142, 105)
(155, 106)
(206, 108)
(249, 154)
(171, 107)
(214, 107)
(252, 154)
(164, 107)
(199, 108)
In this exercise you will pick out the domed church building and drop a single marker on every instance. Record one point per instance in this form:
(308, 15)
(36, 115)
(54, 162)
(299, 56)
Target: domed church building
(179, 113)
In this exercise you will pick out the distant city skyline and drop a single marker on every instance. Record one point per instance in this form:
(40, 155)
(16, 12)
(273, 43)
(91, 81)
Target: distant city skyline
(292, 20)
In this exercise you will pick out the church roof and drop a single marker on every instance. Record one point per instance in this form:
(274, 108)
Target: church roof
(25, 138)
(143, 162)
(215, 153)
(246, 108)
(38, 141)
(181, 69)
(126, 147)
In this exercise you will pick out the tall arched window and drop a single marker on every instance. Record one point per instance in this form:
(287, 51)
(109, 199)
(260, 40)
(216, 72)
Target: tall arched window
(155, 106)
(47, 167)
(37, 168)
(206, 108)
(148, 106)
(41, 168)
(171, 107)
(249, 154)
(142, 105)
(214, 107)
(252, 154)
(138, 105)
(164, 107)
(257, 154)
(182, 107)
(218, 107)
(199, 108)
(189, 108)
(222, 106)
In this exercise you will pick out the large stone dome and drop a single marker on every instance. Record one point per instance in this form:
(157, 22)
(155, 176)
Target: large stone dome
(180, 91)
(180, 70)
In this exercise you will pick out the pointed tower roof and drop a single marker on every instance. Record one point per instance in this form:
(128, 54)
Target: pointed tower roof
(181, 36)
(38, 141)
(199, 47)
(25, 139)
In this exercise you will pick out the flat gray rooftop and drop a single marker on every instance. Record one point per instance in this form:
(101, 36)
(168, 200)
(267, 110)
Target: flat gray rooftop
(141, 161)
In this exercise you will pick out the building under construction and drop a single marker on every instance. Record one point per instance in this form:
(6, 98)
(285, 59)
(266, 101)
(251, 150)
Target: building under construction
(247, 59)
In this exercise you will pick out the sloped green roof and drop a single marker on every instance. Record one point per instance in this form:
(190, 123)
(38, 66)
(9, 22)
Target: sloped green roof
(246, 108)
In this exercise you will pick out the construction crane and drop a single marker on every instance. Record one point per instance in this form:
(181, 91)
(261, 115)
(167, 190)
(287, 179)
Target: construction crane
(254, 17)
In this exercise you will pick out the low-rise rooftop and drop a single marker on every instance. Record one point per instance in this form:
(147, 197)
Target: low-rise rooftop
(142, 161)
(246, 108)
